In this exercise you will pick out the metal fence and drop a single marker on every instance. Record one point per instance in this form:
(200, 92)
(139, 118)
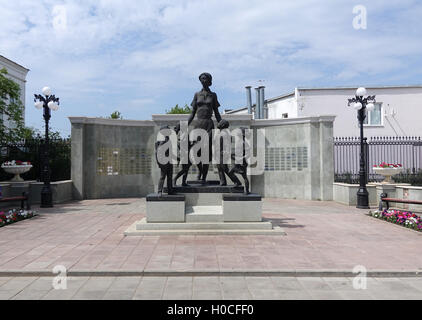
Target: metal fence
(32, 150)
(406, 151)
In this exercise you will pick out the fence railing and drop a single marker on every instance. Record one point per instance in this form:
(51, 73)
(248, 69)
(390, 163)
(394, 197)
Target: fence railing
(404, 150)
(32, 150)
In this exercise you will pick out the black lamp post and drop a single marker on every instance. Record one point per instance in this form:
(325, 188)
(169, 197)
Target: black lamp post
(47, 102)
(362, 104)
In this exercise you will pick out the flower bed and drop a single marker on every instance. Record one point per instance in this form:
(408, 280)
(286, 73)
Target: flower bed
(388, 165)
(14, 163)
(404, 218)
(14, 215)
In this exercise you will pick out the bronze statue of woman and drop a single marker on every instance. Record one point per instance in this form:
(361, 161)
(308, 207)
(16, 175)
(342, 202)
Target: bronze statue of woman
(204, 104)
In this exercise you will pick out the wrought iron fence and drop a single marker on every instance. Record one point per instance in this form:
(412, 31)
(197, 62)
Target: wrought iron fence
(32, 150)
(404, 150)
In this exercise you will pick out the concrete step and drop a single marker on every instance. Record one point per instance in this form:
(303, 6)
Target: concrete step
(204, 214)
(142, 228)
(144, 225)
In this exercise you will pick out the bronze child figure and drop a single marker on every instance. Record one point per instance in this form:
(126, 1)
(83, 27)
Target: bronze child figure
(223, 168)
(166, 168)
(241, 168)
(185, 166)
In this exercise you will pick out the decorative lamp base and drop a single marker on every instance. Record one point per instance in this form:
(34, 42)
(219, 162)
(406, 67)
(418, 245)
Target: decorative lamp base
(46, 198)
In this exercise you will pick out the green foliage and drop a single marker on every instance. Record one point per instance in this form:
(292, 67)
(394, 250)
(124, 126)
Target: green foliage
(11, 108)
(30, 133)
(415, 179)
(179, 110)
(116, 115)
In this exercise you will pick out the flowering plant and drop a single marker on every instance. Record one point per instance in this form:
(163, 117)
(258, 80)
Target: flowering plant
(15, 215)
(404, 218)
(16, 163)
(388, 165)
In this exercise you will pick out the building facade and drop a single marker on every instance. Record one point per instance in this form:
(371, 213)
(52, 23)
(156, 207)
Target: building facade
(18, 74)
(397, 112)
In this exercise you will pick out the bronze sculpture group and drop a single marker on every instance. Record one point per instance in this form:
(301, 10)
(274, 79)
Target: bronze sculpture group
(204, 105)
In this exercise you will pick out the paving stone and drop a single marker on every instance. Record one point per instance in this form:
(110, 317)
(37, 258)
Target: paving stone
(355, 295)
(85, 294)
(119, 295)
(150, 288)
(233, 283)
(264, 283)
(125, 283)
(178, 288)
(314, 283)
(207, 295)
(287, 283)
(266, 294)
(236, 295)
(3, 280)
(17, 284)
(325, 294)
(206, 284)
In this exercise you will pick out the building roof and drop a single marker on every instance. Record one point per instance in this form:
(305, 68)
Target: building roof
(13, 62)
(355, 87)
(291, 94)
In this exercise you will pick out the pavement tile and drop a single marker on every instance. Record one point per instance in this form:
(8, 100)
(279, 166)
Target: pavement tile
(207, 295)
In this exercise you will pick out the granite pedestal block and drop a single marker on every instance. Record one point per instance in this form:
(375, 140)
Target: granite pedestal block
(165, 208)
(240, 207)
(205, 194)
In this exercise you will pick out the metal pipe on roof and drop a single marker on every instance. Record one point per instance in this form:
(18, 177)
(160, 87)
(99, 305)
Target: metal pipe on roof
(258, 102)
(261, 101)
(249, 99)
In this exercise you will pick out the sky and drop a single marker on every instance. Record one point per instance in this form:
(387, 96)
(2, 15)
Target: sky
(144, 57)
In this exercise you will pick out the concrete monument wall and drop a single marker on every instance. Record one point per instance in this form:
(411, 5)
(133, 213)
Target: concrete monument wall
(299, 158)
(115, 158)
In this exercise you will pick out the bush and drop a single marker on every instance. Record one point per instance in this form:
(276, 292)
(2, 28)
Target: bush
(415, 179)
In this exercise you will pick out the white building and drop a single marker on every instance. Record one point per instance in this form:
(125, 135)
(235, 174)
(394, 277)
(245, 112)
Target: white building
(17, 73)
(398, 111)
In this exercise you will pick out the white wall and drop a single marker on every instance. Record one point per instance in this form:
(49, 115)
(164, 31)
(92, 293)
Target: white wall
(278, 107)
(406, 102)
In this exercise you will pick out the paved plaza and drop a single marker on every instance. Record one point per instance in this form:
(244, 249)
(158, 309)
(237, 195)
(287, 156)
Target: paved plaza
(88, 235)
(325, 239)
(209, 288)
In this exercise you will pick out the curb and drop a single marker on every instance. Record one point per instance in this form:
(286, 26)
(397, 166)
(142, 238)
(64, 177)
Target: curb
(214, 273)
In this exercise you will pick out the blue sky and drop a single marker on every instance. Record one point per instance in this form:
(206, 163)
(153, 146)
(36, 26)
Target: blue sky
(143, 57)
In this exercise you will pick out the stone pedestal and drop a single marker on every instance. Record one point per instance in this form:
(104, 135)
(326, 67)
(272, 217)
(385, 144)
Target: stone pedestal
(239, 207)
(165, 208)
(204, 209)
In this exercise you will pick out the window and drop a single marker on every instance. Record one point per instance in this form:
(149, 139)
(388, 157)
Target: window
(285, 115)
(374, 117)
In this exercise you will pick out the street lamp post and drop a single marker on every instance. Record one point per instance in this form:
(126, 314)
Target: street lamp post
(362, 104)
(48, 102)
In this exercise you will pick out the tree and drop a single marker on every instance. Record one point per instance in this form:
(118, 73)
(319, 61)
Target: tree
(31, 133)
(179, 110)
(11, 110)
(116, 115)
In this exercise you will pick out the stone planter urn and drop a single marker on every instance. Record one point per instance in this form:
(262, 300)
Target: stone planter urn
(387, 173)
(17, 170)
